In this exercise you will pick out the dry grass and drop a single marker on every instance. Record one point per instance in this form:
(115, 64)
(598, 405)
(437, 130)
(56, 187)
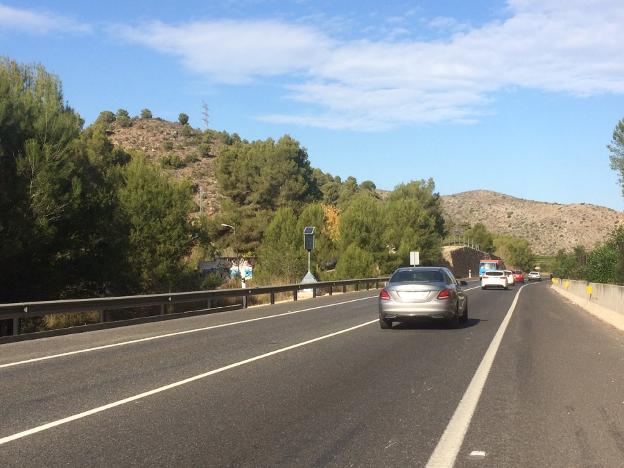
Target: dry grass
(56, 321)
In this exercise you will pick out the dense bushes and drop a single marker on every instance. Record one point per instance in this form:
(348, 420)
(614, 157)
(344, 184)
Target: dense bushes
(604, 264)
(77, 218)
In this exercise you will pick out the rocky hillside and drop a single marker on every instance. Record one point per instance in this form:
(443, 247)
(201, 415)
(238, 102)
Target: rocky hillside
(548, 226)
(180, 149)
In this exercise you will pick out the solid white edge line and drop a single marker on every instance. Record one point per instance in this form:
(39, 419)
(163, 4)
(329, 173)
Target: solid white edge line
(450, 443)
(179, 383)
(167, 335)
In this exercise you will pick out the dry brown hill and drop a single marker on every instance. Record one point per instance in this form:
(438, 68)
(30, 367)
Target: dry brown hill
(189, 154)
(547, 226)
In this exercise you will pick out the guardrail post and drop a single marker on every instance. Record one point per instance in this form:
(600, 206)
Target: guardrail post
(295, 295)
(367, 285)
(313, 292)
(357, 286)
(162, 309)
(272, 298)
(376, 284)
(245, 301)
(209, 304)
(331, 289)
(102, 316)
(344, 288)
(15, 326)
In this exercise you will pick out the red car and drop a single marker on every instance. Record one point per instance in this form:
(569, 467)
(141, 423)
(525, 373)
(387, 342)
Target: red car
(518, 276)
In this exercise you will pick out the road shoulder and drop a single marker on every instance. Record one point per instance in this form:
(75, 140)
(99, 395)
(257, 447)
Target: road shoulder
(606, 315)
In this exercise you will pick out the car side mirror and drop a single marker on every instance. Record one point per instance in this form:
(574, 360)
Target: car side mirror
(463, 283)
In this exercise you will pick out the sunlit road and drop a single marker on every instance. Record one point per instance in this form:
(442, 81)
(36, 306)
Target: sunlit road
(323, 386)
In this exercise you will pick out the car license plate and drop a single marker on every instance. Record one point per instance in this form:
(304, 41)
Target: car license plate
(413, 295)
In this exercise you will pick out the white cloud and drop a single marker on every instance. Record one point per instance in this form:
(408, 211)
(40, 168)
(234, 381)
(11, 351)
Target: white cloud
(447, 23)
(235, 51)
(365, 84)
(41, 22)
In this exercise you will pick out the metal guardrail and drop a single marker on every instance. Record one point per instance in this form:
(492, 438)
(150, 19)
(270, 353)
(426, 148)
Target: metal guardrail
(23, 310)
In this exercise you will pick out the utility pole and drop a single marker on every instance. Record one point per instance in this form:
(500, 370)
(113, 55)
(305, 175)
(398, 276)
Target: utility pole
(205, 115)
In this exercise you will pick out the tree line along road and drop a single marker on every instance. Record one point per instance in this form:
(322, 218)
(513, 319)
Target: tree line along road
(317, 383)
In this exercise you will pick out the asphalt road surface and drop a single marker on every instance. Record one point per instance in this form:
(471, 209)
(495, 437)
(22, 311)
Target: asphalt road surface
(318, 383)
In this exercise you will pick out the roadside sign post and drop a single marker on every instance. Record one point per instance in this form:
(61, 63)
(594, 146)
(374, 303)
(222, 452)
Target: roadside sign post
(414, 258)
(308, 244)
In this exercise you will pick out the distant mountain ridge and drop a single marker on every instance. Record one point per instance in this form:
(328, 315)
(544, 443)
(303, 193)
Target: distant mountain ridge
(547, 226)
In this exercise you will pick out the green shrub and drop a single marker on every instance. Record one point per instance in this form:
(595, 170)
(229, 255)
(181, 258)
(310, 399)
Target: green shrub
(186, 131)
(171, 160)
(183, 118)
(167, 145)
(123, 118)
(355, 262)
(190, 158)
(601, 264)
(105, 119)
(146, 114)
(204, 150)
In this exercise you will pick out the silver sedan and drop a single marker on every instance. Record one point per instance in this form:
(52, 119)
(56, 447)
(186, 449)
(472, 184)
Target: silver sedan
(415, 292)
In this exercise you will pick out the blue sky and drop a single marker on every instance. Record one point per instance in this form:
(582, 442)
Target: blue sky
(517, 96)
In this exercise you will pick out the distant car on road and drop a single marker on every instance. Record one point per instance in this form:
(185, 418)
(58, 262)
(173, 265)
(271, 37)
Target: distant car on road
(510, 277)
(518, 276)
(494, 279)
(535, 276)
(431, 292)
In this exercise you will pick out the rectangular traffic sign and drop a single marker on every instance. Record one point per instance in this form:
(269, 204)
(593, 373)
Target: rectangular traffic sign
(414, 258)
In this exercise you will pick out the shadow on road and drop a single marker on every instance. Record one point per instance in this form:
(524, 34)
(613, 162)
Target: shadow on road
(429, 324)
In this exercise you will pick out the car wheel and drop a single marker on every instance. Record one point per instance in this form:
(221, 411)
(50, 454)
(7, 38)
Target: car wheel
(385, 324)
(455, 320)
(464, 317)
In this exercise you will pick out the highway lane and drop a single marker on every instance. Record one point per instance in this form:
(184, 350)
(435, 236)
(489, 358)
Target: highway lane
(365, 397)
(555, 395)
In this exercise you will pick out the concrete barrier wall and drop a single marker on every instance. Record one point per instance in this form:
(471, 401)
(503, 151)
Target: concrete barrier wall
(610, 296)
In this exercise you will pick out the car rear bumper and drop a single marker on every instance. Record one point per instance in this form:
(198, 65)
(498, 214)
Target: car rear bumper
(392, 310)
(494, 286)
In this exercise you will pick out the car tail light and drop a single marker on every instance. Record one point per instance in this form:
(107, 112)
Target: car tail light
(383, 295)
(444, 294)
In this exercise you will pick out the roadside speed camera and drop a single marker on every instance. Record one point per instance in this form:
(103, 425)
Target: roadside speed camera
(308, 238)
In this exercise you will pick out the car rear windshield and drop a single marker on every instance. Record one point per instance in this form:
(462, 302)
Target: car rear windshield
(417, 276)
(494, 273)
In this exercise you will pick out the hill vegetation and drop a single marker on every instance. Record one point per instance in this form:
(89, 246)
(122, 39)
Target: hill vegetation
(131, 205)
(104, 210)
(547, 227)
